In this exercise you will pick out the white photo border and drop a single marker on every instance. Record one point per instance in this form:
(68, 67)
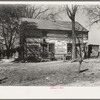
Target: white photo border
(42, 92)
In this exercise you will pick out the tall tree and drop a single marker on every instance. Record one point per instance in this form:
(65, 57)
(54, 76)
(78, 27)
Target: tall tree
(10, 16)
(9, 23)
(71, 12)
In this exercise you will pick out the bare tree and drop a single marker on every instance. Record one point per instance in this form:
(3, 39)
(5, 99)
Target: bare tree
(34, 11)
(10, 17)
(9, 22)
(81, 55)
(71, 12)
(93, 13)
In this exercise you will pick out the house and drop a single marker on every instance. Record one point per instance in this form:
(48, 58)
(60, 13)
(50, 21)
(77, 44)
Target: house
(93, 50)
(94, 41)
(51, 36)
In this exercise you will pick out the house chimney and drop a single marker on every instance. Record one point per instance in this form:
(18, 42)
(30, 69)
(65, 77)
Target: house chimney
(52, 18)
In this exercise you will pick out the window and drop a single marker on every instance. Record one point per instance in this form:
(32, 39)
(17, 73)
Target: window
(85, 36)
(69, 47)
(51, 47)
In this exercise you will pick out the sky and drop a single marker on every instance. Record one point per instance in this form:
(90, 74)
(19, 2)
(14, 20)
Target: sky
(94, 30)
(82, 18)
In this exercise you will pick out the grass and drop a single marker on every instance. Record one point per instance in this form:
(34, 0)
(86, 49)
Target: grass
(50, 74)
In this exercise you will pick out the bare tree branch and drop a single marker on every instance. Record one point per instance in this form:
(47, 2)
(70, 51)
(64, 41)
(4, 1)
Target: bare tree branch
(93, 13)
(71, 12)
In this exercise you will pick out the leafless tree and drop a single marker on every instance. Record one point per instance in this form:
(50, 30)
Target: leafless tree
(10, 17)
(93, 13)
(9, 22)
(81, 54)
(71, 12)
(36, 11)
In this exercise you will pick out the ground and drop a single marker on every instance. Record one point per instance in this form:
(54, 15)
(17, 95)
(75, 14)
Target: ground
(55, 73)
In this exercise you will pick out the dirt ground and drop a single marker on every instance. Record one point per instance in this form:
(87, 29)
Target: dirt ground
(56, 73)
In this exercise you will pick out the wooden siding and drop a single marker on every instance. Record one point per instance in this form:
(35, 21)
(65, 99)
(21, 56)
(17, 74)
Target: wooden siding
(57, 34)
(60, 45)
(60, 39)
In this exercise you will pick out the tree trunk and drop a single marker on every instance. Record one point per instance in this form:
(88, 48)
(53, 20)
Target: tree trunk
(22, 44)
(73, 40)
(80, 63)
(23, 30)
(22, 52)
(8, 53)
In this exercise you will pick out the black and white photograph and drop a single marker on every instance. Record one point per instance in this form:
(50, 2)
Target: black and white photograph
(49, 45)
(50, 50)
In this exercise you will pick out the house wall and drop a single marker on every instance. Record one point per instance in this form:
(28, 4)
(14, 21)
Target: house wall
(60, 47)
(58, 38)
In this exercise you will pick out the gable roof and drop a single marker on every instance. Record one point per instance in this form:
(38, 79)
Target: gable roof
(51, 25)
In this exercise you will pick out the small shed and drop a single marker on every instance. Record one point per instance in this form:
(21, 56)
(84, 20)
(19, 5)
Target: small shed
(93, 50)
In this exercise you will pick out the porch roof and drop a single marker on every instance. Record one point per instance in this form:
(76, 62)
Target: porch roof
(53, 25)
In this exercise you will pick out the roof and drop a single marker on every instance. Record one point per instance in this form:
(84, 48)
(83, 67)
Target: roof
(51, 25)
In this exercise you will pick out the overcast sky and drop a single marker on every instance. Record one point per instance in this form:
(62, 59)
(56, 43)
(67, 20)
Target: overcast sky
(82, 18)
(94, 30)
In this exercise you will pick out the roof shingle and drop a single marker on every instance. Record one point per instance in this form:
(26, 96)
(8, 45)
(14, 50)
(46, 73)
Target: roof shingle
(51, 25)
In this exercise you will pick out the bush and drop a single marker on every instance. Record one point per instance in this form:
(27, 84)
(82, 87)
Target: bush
(44, 54)
(33, 59)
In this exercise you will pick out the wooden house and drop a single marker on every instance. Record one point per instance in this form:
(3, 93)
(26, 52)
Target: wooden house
(51, 36)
